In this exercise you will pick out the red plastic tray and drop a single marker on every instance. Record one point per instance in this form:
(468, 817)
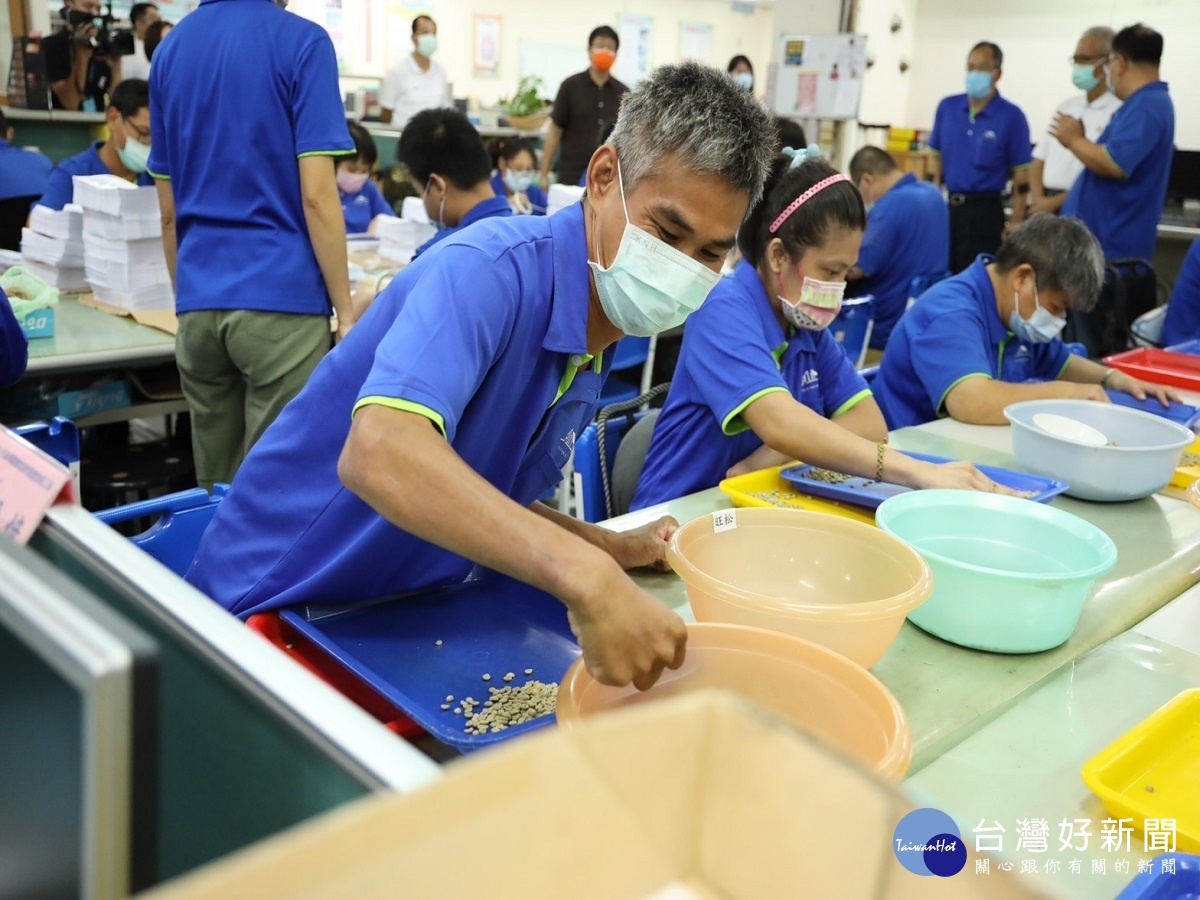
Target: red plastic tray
(1160, 366)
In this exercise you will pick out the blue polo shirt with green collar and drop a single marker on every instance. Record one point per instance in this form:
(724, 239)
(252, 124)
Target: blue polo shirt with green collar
(487, 338)
(240, 91)
(953, 333)
(734, 352)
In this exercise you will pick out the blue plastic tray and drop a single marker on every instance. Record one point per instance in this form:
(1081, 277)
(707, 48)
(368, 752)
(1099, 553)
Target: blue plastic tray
(1182, 413)
(1192, 348)
(1154, 885)
(493, 625)
(868, 493)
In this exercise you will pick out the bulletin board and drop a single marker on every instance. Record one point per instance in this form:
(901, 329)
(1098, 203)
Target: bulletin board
(820, 76)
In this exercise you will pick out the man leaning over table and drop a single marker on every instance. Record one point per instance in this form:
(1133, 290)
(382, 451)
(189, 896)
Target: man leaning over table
(421, 444)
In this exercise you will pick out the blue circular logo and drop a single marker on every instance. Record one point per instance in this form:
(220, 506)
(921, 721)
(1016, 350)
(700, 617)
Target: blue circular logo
(927, 842)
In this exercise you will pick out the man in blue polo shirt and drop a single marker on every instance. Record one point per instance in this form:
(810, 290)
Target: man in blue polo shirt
(124, 154)
(982, 140)
(422, 442)
(451, 168)
(23, 178)
(252, 221)
(1121, 192)
(973, 343)
(908, 235)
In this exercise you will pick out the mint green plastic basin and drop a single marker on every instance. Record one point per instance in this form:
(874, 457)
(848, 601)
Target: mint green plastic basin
(1009, 575)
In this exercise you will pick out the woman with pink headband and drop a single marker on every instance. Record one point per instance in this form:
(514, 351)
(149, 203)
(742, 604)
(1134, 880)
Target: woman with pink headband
(759, 380)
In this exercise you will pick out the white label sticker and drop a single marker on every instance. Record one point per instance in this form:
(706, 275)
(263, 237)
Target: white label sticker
(724, 520)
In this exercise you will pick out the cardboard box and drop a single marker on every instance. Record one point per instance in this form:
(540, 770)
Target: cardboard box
(701, 796)
(38, 324)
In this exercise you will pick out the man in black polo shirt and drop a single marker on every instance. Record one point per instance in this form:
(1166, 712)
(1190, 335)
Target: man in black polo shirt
(585, 105)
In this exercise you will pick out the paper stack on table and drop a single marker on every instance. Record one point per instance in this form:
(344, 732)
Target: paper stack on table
(122, 241)
(561, 196)
(400, 238)
(52, 246)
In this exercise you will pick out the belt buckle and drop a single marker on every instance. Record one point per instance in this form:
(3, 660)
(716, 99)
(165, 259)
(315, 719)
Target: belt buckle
(957, 199)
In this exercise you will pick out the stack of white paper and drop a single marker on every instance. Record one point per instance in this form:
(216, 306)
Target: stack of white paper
(561, 196)
(54, 240)
(65, 280)
(400, 238)
(122, 241)
(414, 208)
(115, 196)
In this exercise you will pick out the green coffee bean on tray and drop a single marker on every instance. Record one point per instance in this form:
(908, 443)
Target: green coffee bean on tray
(826, 476)
(508, 707)
(1187, 460)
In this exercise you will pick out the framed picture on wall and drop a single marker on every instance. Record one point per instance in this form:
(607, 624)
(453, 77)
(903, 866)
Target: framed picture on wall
(487, 45)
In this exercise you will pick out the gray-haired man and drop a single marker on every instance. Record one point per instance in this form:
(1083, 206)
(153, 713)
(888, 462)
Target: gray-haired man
(420, 445)
(974, 343)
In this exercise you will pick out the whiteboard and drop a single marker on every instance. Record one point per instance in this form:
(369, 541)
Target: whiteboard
(820, 76)
(550, 62)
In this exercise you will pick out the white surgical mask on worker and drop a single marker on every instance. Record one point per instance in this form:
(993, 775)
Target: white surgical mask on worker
(427, 45)
(518, 182)
(1040, 328)
(649, 287)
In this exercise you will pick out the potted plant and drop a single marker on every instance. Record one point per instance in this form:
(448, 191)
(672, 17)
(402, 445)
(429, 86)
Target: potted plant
(525, 111)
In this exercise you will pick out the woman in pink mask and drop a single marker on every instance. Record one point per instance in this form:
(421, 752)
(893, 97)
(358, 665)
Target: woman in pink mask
(362, 203)
(760, 380)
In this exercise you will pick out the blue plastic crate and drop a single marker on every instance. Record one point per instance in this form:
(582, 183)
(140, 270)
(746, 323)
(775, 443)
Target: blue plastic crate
(1184, 884)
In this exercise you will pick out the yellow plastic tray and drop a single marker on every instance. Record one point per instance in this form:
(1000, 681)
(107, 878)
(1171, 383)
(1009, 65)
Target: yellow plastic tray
(749, 490)
(1153, 770)
(1185, 475)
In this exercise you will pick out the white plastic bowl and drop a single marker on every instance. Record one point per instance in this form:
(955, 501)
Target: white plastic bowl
(1141, 459)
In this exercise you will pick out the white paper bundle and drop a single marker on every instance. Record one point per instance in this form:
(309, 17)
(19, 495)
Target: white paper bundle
(414, 208)
(122, 228)
(50, 250)
(144, 252)
(65, 224)
(69, 280)
(561, 196)
(400, 238)
(115, 196)
(159, 296)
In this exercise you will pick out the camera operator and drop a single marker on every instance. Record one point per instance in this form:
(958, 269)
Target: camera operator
(80, 60)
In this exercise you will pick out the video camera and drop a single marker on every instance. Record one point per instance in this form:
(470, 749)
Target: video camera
(107, 41)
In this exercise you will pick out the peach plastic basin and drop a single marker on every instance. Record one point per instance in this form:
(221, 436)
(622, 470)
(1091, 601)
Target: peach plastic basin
(833, 581)
(815, 689)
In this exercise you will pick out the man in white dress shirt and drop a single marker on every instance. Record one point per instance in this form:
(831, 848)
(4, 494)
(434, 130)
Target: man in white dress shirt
(416, 82)
(1055, 168)
(142, 15)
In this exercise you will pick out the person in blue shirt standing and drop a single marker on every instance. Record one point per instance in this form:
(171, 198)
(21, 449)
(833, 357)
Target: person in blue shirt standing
(515, 176)
(362, 203)
(760, 380)
(255, 243)
(421, 444)
(1121, 193)
(14, 347)
(908, 235)
(23, 179)
(981, 141)
(988, 337)
(1182, 322)
(449, 165)
(124, 154)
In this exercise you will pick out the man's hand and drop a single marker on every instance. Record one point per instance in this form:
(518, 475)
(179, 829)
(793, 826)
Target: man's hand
(1066, 129)
(625, 633)
(1119, 381)
(645, 546)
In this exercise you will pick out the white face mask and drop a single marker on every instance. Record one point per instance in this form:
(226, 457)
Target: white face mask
(819, 304)
(134, 155)
(351, 182)
(649, 287)
(518, 182)
(427, 45)
(1040, 328)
